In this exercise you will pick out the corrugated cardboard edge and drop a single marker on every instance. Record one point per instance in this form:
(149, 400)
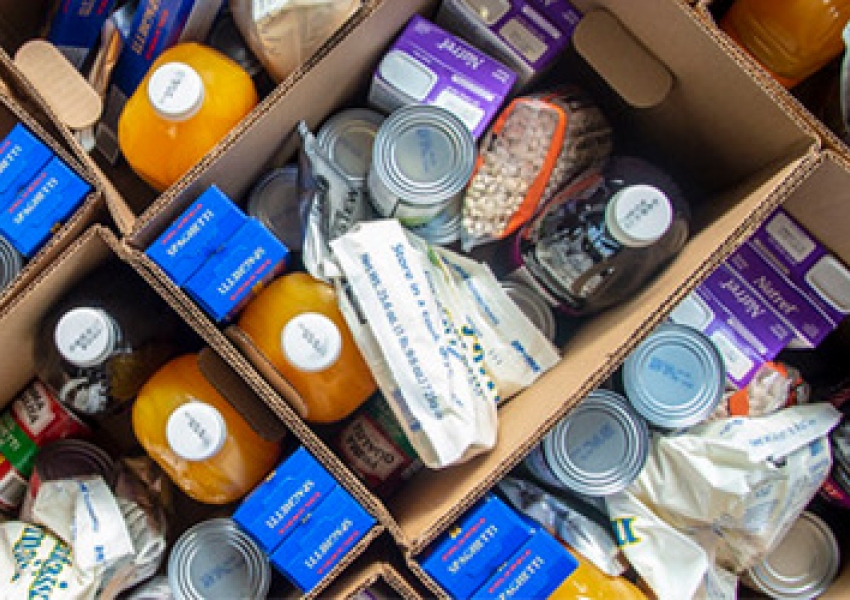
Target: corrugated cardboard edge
(91, 210)
(189, 311)
(362, 575)
(251, 120)
(800, 169)
(701, 15)
(828, 138)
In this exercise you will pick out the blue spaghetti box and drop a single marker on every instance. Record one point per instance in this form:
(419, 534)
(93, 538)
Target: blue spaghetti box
(230, 278)
(76, 27)
(320, 542)
(536, 570)
(196, 235)
(288, 496)
(471, 551)
(22, 155)
(42, 206)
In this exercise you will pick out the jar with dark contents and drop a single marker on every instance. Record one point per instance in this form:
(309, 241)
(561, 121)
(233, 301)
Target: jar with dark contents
(599, 240)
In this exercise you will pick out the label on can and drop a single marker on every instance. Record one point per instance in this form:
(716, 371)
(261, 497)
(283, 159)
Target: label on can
(374, 446)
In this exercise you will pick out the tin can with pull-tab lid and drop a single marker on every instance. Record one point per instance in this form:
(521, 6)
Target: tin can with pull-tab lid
(421, 162)
(675, 378)
(598, 449)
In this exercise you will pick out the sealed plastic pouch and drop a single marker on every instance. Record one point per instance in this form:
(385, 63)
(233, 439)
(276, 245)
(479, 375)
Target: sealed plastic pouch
(536, 145)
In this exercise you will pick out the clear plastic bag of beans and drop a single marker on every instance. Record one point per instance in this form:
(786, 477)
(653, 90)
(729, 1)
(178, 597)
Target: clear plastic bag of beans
(536, 145)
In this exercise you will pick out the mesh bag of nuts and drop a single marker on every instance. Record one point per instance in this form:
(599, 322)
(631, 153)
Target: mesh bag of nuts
(537, 144)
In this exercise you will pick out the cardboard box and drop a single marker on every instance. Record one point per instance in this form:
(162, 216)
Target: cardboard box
(288, 496)
(724, 136)
(196, 235)
(321, 541)
(474, 547)
(720, 128)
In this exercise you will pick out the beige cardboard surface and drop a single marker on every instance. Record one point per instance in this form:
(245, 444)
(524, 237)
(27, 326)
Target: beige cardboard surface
(66, 91)
(724, 134)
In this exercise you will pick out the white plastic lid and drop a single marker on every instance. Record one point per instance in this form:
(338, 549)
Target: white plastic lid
(176, 91)
(639, 215)
(85, 337)
(195, 431)
(311, 342)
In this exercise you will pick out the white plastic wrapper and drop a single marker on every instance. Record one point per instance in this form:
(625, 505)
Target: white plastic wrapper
(737, 485)
(336, 206)
(444, 341)
(85, 514)
(36, 564)
(669, 562)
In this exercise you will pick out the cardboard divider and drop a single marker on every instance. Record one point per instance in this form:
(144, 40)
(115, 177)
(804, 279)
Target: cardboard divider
(798, 100)
(379, 572)
(724, 136)
(19, 324)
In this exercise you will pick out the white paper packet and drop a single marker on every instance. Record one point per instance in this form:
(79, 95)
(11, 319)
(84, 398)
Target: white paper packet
(673, 565)
(738, 484)
(85, 514)
(442, 338)
(36, 564)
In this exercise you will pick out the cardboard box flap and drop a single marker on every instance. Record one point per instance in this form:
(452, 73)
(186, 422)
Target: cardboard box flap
(20, 319)
(625, 64)
(816, 204)
(434, 499)
(230, 385)
(267, 370)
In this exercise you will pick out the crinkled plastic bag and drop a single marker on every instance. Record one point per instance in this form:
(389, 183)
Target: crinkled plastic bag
(738, 484)
(442, 338)
(284, 34)
(36, 564)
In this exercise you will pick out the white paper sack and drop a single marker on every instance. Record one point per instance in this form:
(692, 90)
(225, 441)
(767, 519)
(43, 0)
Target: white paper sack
(737, 484)
(672, 564)
(441, 342)
(36, 564)
(85, 514)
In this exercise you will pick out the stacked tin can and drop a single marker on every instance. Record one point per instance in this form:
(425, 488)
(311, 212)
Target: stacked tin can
(422, 160)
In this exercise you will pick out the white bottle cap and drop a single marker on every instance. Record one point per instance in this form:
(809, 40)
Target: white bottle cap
(85, 337)
(639, 215)
(195, 431)
(311, 342)
(176, 91)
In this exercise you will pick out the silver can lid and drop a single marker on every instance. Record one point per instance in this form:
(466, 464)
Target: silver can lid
(348, 138)
(277, 201)
(533, 306)
(423, 155)
(802, 566)
(600, 447)
(215, 559)
(675, 377)
(11, 263)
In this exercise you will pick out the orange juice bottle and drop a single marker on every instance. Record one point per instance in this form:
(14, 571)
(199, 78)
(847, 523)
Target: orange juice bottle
(791, 38)
(589, 582)
(296, 323)
(197, 437)
(190, 98)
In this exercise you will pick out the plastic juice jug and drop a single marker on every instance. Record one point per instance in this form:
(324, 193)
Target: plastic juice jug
(296, 324)
(190, 98)
(197, 437)
(793, 38)
(588, 582)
